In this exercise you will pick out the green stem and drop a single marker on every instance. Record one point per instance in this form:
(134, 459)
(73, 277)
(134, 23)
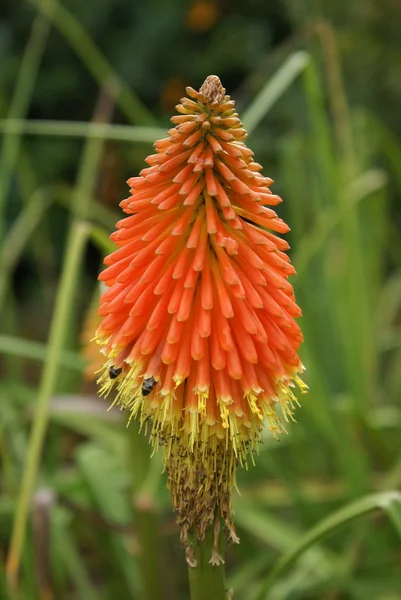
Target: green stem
(145, 477)
(76, 244)
(205, 580)
(73, 259)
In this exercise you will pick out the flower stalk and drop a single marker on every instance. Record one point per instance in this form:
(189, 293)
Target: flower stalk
(206, 567)
(146, 519)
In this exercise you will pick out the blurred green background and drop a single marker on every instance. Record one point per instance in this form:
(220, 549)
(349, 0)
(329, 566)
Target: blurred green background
(85, 89)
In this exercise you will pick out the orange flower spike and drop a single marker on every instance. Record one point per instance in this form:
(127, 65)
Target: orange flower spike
(198, 324)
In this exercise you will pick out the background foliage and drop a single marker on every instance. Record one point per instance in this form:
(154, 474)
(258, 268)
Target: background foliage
(318, 85)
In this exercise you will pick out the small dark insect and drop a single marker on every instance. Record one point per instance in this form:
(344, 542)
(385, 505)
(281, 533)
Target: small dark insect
(113, 372)
(148, 385)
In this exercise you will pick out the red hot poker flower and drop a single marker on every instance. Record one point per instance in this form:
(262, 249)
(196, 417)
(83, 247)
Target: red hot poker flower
(199, 329)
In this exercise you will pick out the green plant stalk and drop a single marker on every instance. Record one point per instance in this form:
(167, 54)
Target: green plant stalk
(309, 247)
(123, 133)
(20, 102)
(41, 244)
(205, 580)
(76, 243)
(145, 511)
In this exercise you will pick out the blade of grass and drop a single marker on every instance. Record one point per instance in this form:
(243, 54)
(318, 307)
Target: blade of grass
(388, 140)
(18, 236)
(99, 67)
(327, 170)
(76, 243)
(275, 87)
(339, 105)
(106, 484)
(30, 217)
(42, 255)
(389, 502)
(16, 346)
(311, 244)
(123, 133)
(69, 557)
(245, 574)
(393, 511)
(21, 101)
(99, 427)
(280, 535)
(75, 247)
(353, 290)
(19, 107)
(347, 315)
(101, 239)
(347, 451)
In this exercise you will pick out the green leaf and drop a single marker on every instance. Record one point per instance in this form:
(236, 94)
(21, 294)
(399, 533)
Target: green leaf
(279, 534)
(16, 346)
(101, 238)
(122, 133)
(389, 502)
(274, 89)
(19, 234)
(68, 556)
(90, 417)
(106, 481)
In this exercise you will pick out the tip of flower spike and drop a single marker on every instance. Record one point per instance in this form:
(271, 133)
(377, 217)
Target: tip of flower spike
(212, 89)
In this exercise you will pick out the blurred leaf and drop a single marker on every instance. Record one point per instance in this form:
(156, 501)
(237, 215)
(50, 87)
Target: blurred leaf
(105, 483)
(389, 502)
(280, 535)
(15, 346)
(101, 239)
(313, 243)
(103, 131)
(90, 418)
(69, 557)
(275, 87)
(19, 234)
